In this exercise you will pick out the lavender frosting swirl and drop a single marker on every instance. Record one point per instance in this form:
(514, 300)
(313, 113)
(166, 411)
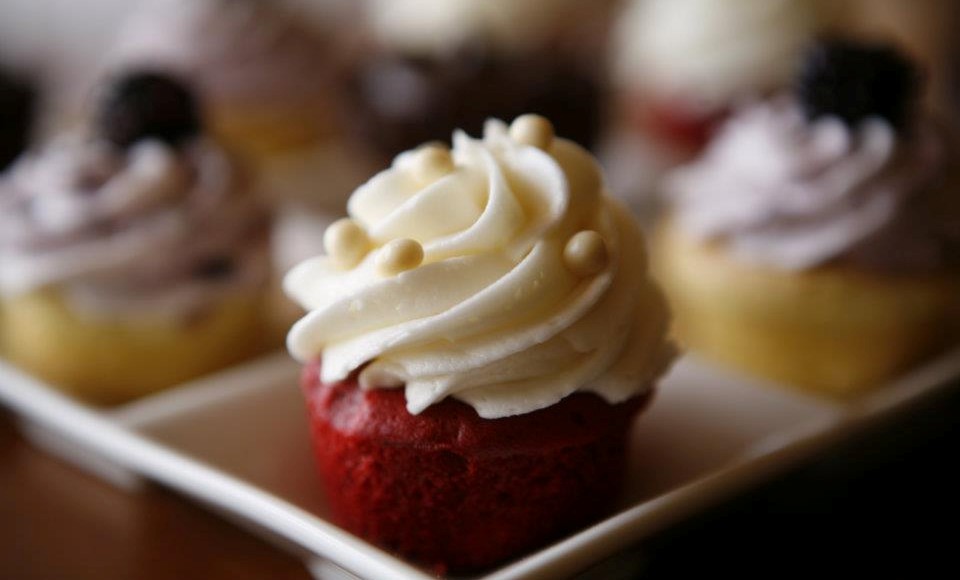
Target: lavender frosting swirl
(787, 193)
(149, 229)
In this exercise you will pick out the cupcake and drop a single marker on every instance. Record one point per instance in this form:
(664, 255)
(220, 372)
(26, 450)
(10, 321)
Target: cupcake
(133, 259)
(479, 337)
(682, 65)
(817, 240)
(430, 68)
(17, 101)
(264, 70)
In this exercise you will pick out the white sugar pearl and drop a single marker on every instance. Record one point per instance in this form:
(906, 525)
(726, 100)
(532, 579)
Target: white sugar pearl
(346, 242)
(532, 130)
(398, 256)
(586, 253)
(432, 162)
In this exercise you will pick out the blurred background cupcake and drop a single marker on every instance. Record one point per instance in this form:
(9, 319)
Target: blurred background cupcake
(265, 70)
(427, 68)
(267, 73)
(680, 66)
(135, 257)
(817, 240)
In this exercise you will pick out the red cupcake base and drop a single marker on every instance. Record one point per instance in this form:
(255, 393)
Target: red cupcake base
(684, 129)
(457, 492)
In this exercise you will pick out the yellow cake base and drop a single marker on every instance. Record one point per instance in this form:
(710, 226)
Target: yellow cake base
(834, 331)
(108, 362)
(263, 132)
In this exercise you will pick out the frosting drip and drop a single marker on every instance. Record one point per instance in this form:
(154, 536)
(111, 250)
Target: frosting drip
(531, 283)
(148, 229)
(788, 193)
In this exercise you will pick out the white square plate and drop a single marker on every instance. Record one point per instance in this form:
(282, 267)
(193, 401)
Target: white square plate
(238, 442)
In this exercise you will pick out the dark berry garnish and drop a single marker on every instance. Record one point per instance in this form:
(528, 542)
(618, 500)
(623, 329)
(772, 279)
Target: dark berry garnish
(17, 100)
(148, 104)
(854, 81)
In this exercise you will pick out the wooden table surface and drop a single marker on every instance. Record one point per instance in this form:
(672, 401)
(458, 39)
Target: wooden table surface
(58, 523)
(886, 502)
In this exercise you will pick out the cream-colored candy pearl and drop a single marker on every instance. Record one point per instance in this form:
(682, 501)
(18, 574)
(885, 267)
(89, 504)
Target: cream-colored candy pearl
(586, 253)
(431, 162)
(346, 242)
(532, 130)
(398, 256)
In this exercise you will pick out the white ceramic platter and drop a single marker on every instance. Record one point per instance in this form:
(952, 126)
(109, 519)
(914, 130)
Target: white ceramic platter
(238, 443)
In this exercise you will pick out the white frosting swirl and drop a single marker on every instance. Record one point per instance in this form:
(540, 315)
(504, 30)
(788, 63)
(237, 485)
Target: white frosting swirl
(436, 28)
(494, 316)
(791, 194)
(713, 52)
(150, 229)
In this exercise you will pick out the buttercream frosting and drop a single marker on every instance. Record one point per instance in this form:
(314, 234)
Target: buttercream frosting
(786, 192)
(498, 273)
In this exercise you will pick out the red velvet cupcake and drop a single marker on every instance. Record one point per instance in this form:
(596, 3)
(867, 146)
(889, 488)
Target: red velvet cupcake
(488, 333)
(405, 482)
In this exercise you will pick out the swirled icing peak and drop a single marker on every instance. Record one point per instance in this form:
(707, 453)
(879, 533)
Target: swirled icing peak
(498, 273)
(789, 193)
